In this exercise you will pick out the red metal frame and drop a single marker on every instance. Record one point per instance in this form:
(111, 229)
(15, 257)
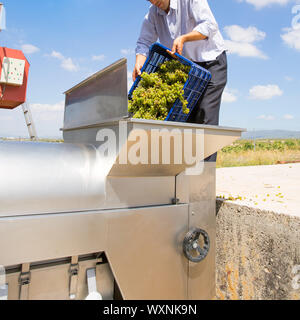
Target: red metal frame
(13, 96)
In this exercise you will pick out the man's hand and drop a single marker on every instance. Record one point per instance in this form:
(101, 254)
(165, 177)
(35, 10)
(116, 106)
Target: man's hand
(178, 45)
(140, 60)
(180, 41)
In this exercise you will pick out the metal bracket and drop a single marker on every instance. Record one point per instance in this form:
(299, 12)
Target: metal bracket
(92, 285)
(73, 271)
(24, 281)
(24, 278)
(175, 201)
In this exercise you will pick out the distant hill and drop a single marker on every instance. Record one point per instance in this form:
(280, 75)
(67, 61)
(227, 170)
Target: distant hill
(250, 135)
(271, 134)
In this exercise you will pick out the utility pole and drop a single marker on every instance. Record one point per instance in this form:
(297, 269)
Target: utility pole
(2, 17)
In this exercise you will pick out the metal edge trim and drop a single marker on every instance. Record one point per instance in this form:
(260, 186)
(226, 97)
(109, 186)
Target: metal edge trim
(45, 215)
(95, 125)
(154, 123)
(100, 73)
(184, 124)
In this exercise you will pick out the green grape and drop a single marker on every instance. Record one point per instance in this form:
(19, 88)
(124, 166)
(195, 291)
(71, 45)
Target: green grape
(158, 91)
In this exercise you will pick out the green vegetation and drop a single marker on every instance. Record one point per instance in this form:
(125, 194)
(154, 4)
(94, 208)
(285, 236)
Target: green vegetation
(259, 152)
(27, 139)
(158, 91)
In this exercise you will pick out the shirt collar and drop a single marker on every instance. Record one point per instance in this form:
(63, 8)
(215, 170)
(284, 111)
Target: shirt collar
(173, 5)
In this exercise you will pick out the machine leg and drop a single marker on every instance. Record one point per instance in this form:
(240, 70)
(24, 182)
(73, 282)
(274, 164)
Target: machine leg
(74, 268)
(24, 281)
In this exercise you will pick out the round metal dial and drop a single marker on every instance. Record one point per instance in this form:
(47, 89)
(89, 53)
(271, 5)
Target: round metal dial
(196, 245)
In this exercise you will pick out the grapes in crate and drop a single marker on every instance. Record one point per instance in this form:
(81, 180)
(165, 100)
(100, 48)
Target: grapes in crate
(157, 92)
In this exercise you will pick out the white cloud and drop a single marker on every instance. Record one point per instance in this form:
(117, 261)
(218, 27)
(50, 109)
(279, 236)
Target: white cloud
(48, 112)
(57, 55)
(248, 35)
(288, 78)
(40, 107)
(244, 49)
(127, 52)
(265, 92)
(241, 41)
(69, 65)
(266, 117)
(288, 117)
(48, 119)
(259, 4)
(229, 96)
(100, 57)
(291, 37)
(29, 48)
(66, 63)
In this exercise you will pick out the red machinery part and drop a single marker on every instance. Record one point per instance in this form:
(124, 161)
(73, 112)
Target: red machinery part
(13, 96)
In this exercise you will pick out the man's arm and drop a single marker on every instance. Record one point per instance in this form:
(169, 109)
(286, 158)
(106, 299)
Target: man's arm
(205, 20)
(147, 37)
(180, 41)
(206, 25)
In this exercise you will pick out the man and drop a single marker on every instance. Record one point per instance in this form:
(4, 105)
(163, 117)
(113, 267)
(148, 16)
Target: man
(190, 29)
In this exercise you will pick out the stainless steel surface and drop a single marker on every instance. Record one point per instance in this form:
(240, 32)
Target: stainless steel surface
(199, 192)
(154, 123)
(101, 97)
(51, 282)
(130, 192)
(43, 177)
(146, 255)
(212, 138)
(67, 200)
(143, 247)
(110, 121)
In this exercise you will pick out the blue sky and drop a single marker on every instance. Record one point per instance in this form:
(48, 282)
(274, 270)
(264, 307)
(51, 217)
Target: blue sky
(66, 41)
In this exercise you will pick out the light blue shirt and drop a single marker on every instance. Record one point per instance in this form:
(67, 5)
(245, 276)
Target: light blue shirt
(183, 17)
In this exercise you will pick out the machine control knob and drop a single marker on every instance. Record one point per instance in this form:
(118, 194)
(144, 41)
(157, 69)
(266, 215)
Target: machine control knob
(196, 245)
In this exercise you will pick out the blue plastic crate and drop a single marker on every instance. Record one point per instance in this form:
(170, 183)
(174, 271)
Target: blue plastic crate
(193, 89)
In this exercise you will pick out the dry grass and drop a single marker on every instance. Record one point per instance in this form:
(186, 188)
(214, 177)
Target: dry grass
(27, 139)
(255, 158)
(236, 155)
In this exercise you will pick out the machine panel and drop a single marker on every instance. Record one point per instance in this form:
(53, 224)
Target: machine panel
(143, 246)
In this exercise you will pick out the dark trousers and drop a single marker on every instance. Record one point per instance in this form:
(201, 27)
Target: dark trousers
(207, 109)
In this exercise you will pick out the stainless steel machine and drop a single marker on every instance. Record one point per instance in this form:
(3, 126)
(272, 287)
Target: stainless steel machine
(80, 219)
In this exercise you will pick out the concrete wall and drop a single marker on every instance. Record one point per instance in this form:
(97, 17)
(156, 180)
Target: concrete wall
(256, 254)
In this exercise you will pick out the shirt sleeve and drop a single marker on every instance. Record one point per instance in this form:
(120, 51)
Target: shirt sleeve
(206, 23)
(148, 34)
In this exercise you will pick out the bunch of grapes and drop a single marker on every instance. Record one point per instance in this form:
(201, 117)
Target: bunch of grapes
(158, 91)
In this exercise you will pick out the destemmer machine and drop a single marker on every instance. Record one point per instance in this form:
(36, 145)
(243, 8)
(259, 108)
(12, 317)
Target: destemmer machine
(76, 221)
